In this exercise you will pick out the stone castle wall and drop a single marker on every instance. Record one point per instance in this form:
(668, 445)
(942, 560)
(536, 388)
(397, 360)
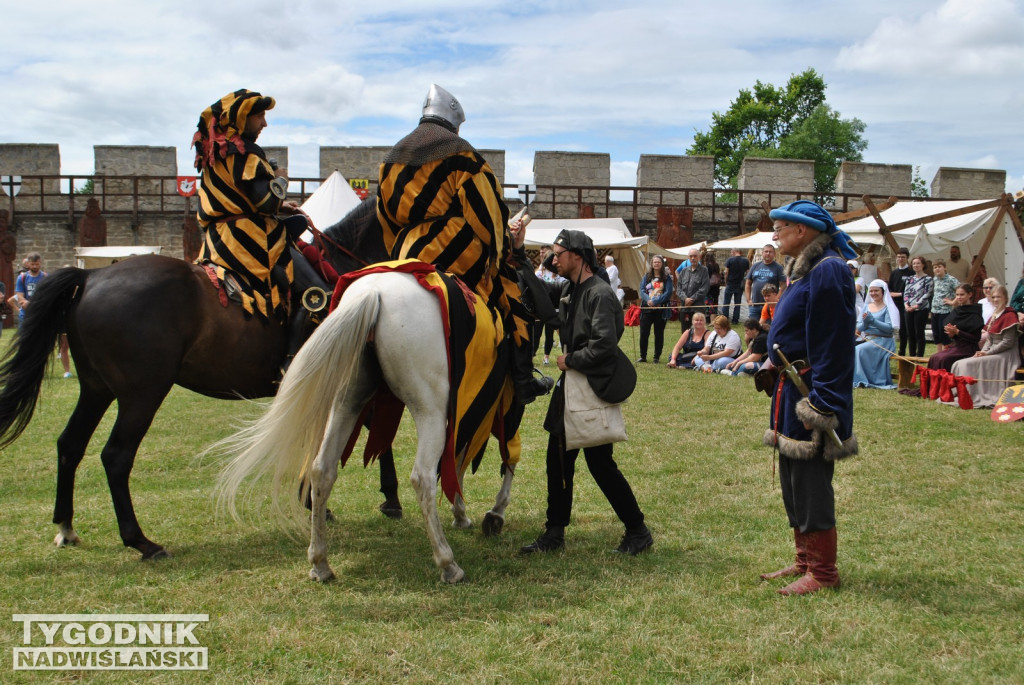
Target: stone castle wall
(364, 162)
(158, 217)
(953, 183)
(571, 169)
(675, 171)
(873, 179)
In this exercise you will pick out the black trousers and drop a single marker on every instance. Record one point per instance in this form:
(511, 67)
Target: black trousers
(807, 493)
(549, 336)
(561, 469)
(903, 326)
(916, 321)
(652, 318)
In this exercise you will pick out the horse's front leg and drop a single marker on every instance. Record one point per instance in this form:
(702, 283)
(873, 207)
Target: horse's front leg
(424, 482)
(494, 520)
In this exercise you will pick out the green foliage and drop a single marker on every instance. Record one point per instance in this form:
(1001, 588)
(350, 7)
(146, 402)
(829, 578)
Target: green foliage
(793, 122)
(88, 188)
(918, 187)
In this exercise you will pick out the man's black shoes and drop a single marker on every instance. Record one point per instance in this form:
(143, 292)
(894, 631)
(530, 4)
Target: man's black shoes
(552, 539)
(635, 541)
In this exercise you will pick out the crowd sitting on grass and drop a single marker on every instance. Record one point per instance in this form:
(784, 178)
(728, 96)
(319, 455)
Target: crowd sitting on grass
(960, 320)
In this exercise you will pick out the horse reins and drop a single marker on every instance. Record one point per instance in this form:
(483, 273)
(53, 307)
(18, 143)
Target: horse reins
(321, 239)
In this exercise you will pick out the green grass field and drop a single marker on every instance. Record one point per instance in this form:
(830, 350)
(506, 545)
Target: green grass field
(931, 533)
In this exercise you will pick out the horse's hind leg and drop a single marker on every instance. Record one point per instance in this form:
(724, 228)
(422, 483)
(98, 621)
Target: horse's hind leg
(431, 432)
(324, 471)
(71, 447)
(134, 416)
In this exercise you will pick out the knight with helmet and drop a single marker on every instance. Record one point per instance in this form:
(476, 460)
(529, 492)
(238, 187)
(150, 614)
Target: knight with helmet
(440, 202)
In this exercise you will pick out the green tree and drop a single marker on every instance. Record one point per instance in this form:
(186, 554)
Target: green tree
(918, 188)
(793, 122)
(88, 188)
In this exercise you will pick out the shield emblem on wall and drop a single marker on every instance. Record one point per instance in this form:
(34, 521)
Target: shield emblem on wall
(10, 184)
(187, 186)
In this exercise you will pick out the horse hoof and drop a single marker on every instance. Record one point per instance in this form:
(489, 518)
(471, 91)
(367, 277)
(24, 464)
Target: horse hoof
(463, 523)
(452, 574)
(321, 574)
(391, 507)
(155, 554)
(391, 510)
(492, 524)
(63, 540)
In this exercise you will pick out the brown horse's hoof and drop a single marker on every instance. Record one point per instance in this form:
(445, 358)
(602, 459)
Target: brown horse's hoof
(156, 553)
(391, 508)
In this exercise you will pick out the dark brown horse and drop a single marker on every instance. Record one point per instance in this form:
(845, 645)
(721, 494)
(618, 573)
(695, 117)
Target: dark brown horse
(136, 329)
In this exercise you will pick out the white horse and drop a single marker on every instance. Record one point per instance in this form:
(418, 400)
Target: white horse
(387, 328)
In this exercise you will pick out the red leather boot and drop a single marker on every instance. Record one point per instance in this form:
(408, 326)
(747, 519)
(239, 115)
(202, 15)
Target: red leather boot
(820, 547)
(798, 568)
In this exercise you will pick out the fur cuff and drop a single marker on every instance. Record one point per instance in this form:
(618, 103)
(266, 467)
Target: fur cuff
(806, 412)
(809, 449)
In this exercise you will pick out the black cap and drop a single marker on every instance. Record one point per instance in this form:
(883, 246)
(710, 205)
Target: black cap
(580, 243)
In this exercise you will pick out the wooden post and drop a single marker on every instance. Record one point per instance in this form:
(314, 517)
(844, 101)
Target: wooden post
(882, 228)
(1015, 219)
(980, 257)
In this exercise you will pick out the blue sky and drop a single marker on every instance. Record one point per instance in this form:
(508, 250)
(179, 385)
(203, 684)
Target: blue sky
(938, 84)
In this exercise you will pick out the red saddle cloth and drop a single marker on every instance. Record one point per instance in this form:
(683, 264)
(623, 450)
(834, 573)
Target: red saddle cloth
(475, 378)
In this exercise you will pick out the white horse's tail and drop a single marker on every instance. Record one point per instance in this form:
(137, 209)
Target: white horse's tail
(287, 438)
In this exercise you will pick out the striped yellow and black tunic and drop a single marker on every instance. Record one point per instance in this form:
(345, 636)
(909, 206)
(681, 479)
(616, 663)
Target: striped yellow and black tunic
(237, 210)
(439, 202)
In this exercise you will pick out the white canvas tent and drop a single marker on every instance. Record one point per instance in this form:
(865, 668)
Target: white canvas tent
(931, 228)
(330, 202)
(748, 241)
(609, 234)
(95, 257)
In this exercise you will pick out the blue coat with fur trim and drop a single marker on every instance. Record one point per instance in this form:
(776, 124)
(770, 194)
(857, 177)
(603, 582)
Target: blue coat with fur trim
(815, 321)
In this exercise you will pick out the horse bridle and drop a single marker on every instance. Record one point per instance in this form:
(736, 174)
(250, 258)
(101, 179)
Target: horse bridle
(320, 238)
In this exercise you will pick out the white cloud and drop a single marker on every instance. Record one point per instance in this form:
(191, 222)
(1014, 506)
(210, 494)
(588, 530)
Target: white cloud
(936, 86)
(961, 37)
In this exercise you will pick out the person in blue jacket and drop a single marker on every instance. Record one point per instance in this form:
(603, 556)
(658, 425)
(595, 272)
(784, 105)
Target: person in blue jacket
(814, 329)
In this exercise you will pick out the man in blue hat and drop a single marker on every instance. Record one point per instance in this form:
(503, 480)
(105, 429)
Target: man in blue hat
(813, 329)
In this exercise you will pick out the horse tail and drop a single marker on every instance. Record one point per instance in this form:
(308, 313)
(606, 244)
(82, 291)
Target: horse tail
(287, 437)
(24, 367)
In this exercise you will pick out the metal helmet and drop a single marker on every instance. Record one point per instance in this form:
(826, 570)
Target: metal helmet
(440, 104)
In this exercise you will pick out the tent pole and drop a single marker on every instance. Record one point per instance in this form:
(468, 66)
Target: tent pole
(980, 257)
(882, 228)
(1015, 219)
(932, 218)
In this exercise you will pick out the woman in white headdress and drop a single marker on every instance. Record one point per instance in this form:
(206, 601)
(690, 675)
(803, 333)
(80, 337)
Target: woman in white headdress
(875, 326)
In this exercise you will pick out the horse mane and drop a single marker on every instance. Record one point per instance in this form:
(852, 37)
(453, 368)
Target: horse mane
(360, 233)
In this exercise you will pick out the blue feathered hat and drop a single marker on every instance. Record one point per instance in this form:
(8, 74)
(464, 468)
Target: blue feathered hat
(814, 216)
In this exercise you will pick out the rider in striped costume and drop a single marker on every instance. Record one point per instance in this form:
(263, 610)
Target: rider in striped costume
(440, 202)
